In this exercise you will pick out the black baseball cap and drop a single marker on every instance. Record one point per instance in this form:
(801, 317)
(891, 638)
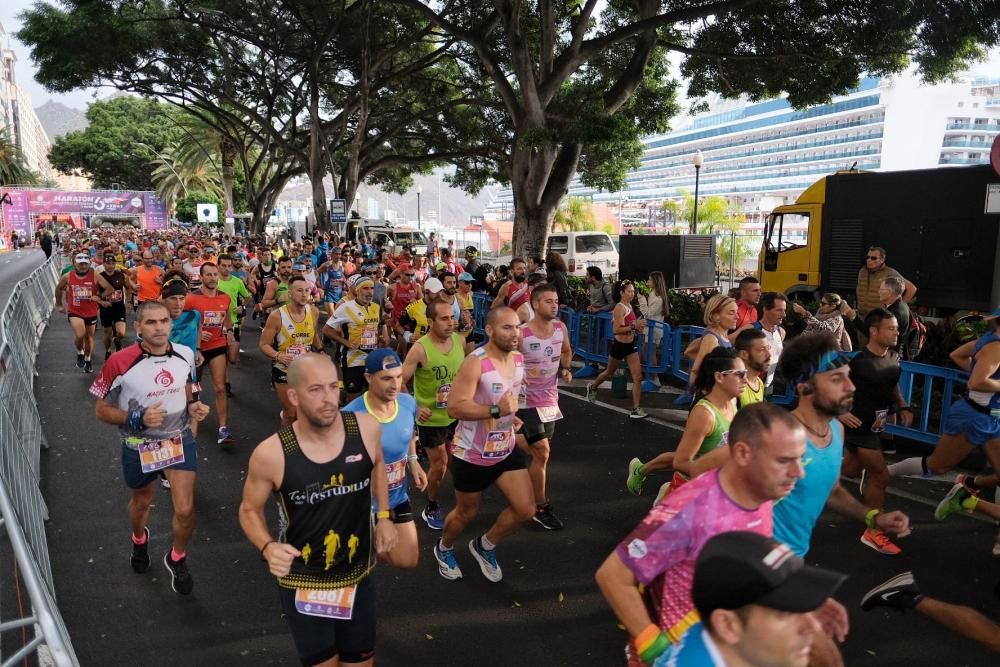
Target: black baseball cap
(739, 568)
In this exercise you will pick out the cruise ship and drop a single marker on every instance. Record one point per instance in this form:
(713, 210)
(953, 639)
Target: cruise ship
(761, 155)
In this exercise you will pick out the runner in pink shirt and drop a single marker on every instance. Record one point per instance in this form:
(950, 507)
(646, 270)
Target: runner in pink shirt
(766, 445)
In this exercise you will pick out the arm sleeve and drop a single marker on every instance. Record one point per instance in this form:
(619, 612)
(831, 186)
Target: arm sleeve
(660, 542)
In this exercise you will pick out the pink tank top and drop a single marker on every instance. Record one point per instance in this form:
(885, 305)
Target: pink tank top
(487, 442)
(541, 366)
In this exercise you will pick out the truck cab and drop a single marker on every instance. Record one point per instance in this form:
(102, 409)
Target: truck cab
(938, 226)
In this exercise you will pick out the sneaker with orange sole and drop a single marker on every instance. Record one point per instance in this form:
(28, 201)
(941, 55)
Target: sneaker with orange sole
(880, 542)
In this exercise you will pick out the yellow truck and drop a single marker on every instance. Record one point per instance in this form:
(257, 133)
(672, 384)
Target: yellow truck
(938, 226)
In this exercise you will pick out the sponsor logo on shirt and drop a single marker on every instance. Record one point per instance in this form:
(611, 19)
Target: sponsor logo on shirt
(164, 378)
(637, 548)
(353, 458)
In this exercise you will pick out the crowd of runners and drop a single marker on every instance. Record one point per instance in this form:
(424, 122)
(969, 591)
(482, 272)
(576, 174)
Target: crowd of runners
(382, 388)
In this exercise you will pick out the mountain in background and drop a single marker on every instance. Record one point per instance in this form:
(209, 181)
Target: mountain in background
(58, 119)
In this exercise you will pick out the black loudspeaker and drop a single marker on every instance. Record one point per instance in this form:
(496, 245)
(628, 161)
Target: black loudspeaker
(686, 260)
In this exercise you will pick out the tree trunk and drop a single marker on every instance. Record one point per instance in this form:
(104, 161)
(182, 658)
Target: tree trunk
(228, 159)
(540, 178)
(531, 230)
(317, 165)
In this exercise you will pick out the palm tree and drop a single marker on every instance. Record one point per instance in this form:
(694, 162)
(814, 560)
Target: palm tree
(13, 169)
(179, 170)
(575, 215)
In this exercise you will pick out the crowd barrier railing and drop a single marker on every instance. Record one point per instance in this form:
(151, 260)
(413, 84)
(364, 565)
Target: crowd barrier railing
(22, 508)
(661, 350)
(950, 381)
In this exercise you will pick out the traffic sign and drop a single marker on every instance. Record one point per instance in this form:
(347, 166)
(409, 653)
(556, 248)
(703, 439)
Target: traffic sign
(338, 211)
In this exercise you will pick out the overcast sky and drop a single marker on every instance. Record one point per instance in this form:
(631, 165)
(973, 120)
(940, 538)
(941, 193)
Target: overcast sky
(25, 69)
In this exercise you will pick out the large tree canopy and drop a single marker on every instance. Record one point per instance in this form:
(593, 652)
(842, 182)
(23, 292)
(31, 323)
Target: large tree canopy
(123, 136)
(572, 86)
(522, 92)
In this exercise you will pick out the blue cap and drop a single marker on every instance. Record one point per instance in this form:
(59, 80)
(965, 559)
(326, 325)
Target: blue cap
(466, 277)
(298, 267)
(381, 359)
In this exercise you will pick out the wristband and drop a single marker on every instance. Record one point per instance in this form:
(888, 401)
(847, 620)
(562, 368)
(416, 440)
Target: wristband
(382, 514)
(870, 517)
(194, 400)
(134, 419)
(651, 643)
(264, 548)
(411, 458)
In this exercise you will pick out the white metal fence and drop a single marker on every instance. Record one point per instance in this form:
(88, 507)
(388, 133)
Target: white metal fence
(22, 508)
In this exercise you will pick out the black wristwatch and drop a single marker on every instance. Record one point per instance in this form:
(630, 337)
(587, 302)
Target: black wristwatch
(495, 411)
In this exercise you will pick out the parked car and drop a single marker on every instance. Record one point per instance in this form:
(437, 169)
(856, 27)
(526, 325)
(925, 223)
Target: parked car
(583, 249)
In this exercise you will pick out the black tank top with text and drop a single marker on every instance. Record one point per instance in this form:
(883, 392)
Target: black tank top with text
(326, 512)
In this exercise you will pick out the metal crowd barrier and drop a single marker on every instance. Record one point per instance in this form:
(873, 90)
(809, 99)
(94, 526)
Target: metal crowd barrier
(22, 508)
(951, 381)
(661, 351)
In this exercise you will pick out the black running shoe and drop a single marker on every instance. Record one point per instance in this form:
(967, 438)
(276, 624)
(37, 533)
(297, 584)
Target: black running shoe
(88, 367)
(140, 554)
(546, 519)
(180, 578)
(901, 592)
(79, 360)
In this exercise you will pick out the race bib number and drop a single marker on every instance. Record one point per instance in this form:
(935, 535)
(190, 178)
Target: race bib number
(117, 296)
(159, 454)
(337, 603)
(81, 293)
(881, 417)
(498, 444)
(369, 339)
(396, 472)
(296, 350)
(442, 396)
(214, 319)
(549, 414)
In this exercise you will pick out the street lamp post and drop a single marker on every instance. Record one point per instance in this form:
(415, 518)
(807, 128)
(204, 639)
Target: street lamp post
(419, 190)
(698, 161)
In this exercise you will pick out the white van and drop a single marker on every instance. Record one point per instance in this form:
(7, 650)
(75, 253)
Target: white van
(583, 249)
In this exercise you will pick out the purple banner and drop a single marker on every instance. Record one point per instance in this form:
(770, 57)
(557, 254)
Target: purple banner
(94, 202)
(16, 214)
(156, 212)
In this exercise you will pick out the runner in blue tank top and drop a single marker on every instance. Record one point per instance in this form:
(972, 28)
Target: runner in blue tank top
(822, 381)
(396, 413)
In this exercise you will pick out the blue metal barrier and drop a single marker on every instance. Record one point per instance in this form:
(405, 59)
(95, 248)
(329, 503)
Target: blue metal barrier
(590, 338)
(655, 345)
(480, 307)
(682, 337)
(952, 385)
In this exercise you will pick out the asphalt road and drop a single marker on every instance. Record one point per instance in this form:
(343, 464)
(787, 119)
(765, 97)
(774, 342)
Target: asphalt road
(547, 611)
(15, 266)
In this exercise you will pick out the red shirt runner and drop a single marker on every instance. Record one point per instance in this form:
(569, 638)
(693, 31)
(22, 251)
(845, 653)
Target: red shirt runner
(80, 289)
(214, 318)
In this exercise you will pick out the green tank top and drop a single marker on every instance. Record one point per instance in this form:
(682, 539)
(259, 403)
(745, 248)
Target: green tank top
(432, 382)
(719, 433)
(281, 293)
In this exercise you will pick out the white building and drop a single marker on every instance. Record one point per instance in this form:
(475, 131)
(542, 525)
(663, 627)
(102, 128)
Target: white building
(764, 154)
(18, 119)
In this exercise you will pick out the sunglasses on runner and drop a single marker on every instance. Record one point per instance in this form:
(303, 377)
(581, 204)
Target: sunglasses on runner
(741, 374)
